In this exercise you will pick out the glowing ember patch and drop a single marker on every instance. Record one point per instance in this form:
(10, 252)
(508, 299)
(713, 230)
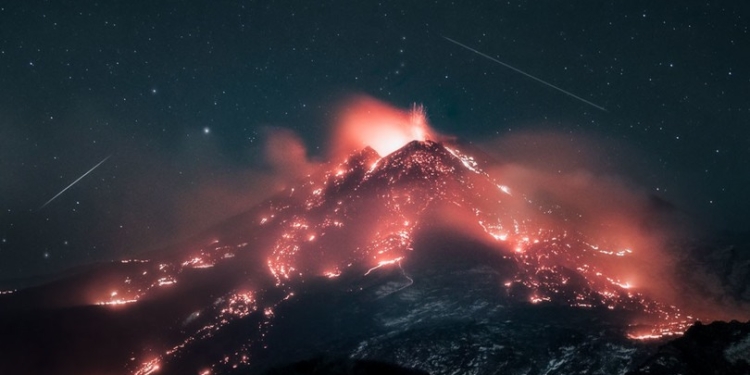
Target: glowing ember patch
(332, 274)
(624, 285)
(676, 328)
(384, 263)
(197, 262)
(500, 237)
(125, 261)
(149, 367)
(535, 299)
(467, 161)
(117, 302)
(240, 305)
(644, 337)
(166, 281)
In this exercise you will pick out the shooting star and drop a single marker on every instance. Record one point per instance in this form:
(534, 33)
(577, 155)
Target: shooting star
(526, 74)
(74, 182)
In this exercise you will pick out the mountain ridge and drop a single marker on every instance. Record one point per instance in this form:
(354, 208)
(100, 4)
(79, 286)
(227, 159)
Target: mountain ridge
(386, 241)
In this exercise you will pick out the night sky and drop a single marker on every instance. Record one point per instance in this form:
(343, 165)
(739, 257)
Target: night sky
(181, 97)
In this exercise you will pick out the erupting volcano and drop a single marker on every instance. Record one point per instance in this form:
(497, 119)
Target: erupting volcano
(407, 250)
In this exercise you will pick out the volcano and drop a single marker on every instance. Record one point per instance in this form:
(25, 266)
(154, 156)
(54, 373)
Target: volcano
(418, 258)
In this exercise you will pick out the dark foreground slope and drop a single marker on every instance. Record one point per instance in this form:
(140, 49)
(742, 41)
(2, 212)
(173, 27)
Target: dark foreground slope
(717, 348)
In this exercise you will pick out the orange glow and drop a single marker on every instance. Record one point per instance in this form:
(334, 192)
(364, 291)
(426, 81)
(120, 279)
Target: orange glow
(384, 263)
(117, 302)
(644, 337)
(366, 122)
(332, 274)
(676, 328)
(537, 299)
(149, 367)
(625, 285)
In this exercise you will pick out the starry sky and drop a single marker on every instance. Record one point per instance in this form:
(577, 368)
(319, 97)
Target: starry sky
(179, 97)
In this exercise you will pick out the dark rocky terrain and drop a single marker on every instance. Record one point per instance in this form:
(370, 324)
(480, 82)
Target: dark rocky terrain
(716, 348)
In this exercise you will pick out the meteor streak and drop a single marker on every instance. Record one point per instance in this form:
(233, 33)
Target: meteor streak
(74, 182)
(526, 74)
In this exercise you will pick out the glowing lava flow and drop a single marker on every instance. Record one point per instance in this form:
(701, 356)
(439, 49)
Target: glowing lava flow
(362, 215)
(555, 266)
(384, 263)
(149, 367)
(148, 276)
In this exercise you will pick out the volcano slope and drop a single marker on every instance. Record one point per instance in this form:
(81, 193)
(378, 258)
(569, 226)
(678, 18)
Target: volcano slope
(419, 258)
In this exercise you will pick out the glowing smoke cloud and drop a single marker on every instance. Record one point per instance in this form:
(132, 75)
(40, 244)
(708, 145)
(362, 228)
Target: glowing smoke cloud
(365, 121)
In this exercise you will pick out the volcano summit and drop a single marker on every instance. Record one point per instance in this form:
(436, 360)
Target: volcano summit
(419, 257)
